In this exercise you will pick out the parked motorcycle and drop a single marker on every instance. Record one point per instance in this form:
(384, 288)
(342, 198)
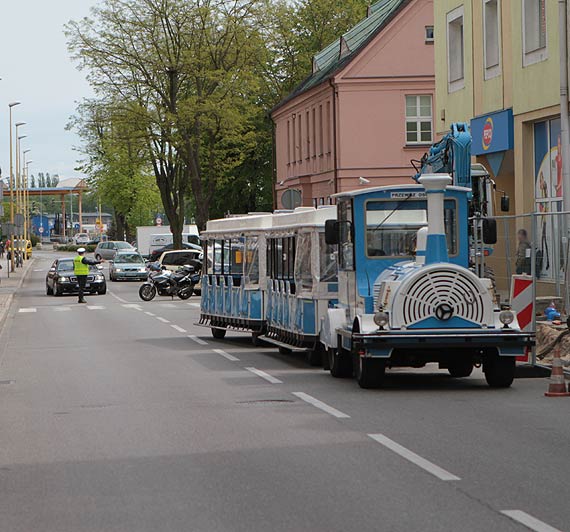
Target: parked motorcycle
(166, 283)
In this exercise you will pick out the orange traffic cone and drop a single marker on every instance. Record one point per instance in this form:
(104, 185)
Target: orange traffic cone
(557, 386)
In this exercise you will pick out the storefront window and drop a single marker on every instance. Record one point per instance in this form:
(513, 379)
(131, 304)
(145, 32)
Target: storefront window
(548, 194)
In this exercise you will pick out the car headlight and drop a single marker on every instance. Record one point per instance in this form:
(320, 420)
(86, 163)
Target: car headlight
(63, 279)
(99, 277)
(381, 319)
(506, 317)
(142, 270)
(117, 269)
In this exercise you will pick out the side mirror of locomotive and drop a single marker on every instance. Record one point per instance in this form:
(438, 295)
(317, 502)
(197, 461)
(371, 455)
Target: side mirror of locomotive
(331, 232)
(489, 231)
(505, 203)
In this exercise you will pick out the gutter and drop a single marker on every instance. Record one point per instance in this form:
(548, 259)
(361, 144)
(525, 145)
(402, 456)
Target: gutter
(335, 147)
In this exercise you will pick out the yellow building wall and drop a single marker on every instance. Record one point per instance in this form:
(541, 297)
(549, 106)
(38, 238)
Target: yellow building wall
(538, 85)
(458, 105)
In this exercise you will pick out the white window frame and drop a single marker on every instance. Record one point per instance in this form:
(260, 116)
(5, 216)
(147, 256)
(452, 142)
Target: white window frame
(540, 54)
(492, 71)
(429, 29)
(418, 120)
(456, 84)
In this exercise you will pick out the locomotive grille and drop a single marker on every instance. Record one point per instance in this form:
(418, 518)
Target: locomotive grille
(442, 288)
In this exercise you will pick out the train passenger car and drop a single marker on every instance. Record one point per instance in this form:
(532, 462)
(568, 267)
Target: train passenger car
(429, 309)
(234, 279)
(301, 280)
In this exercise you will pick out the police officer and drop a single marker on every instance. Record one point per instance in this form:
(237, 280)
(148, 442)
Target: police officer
(81, 269)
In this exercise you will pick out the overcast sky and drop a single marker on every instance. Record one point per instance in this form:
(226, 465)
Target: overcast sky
(36, 70)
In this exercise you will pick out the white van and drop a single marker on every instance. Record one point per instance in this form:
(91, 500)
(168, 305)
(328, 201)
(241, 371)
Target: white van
(159, 241)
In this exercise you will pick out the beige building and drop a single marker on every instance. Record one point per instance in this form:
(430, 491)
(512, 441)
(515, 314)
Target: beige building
(497, 67)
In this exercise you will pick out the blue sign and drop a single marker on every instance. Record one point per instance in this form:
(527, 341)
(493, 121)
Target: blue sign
(492, 133)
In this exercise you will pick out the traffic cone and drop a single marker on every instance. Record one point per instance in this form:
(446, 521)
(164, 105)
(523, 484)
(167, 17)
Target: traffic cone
(557, 386)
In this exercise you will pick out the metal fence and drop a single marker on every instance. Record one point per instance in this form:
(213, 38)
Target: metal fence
(534, 244)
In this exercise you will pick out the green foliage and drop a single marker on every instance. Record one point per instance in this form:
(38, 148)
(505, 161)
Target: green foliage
(183, 93)
(34, 239)
(73, 248)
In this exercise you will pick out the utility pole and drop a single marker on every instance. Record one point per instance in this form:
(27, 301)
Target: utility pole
(12, 262)
(565, 132)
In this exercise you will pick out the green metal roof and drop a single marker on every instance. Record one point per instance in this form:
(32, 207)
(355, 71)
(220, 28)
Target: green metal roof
(337, 54)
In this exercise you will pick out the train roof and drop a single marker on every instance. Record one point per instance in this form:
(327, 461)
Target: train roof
(301, 216)
(393, 188)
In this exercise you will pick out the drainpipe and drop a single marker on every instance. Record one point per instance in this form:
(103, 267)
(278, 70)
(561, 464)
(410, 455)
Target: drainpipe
(564, 127)
(335, 147)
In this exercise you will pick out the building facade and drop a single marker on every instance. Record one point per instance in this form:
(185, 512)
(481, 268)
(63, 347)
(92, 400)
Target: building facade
(497, 67)
(364, 112)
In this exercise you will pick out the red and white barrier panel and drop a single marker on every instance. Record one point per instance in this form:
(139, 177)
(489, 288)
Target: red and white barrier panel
(522, 303)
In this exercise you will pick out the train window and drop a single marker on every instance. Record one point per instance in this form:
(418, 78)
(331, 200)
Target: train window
(236, 254)
(303, 273)
(346, 247)
(392, 227)
(252, 260)
(328, 261)
(210, 246)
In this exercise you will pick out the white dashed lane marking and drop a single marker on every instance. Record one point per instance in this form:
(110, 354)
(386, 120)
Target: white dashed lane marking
(95, 307)
(195, 305)
(414, 458)
(163, 320)
(27, 310)
(266, 376)
(179, 329)
(320, 405)
(529, 521)
(62, 309)
(199, 341)
(132, 305)
(226, 355)
(150, 314)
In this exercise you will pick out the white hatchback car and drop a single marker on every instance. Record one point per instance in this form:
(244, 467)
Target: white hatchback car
(81, 238)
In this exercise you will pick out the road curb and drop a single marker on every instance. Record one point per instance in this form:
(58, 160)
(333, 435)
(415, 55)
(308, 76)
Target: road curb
(10, 299)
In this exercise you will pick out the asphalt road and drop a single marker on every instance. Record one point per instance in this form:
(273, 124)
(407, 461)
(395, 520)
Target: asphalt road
(124, 416)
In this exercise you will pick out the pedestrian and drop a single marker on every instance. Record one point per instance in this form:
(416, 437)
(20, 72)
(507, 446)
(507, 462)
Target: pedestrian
(523, 262)
(81, 269)
(1, 249)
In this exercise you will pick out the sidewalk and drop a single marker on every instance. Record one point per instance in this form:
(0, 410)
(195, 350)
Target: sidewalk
(9, 286)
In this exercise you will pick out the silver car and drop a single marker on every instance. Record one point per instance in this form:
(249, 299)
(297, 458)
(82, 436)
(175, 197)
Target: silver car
(128, 265)
(107, 250)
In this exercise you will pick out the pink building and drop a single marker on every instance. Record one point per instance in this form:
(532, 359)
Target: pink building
(365, 111)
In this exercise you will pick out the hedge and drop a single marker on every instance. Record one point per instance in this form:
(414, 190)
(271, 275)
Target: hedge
(74, 248)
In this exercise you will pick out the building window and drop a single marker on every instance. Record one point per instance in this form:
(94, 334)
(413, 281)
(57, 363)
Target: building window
(288, 141)
(455, 50)
(300, 139)
(491, 40)
(534, 31)
(419, 119)
(328, 128)
(294, 145)
(321, 130)
(429, 34)
(308, 135)
(314, 138)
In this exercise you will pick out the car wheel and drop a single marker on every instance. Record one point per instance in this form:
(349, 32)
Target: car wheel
(97, 257)
(57, 290)
(102, 291)
(49, 290)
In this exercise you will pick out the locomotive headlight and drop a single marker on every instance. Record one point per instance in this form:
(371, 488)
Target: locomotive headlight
(506, 317)
(381, 319)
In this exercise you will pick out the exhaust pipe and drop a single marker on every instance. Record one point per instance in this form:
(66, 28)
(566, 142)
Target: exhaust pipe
(436, 244)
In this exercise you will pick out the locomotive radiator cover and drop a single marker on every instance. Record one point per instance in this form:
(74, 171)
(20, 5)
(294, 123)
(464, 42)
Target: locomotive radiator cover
(442, 296)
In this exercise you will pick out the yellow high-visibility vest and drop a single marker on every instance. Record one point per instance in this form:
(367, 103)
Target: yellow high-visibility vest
(78, 267)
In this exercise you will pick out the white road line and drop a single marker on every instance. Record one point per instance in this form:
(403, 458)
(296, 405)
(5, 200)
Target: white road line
(163, 320)
(168, 305)
(426, 465)
(529, 521)
(266, 376)
(179, 329)
(199, 341)
(226, 355)
(150, 314)
(40, 270)
(132, 305)
(95, 307)
(197, 305)
(62, 309)
(118, 298)
(320, 405)
(27, 310)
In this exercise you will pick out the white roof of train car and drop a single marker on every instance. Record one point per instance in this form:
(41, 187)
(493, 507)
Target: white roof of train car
(233, 224)
(304, 217)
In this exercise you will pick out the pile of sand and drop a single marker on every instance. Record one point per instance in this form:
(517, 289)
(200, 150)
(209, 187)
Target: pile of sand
(546, 334)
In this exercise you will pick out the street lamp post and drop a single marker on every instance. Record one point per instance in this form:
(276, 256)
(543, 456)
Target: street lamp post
(18, 169)
(25, 194)
(11, 105)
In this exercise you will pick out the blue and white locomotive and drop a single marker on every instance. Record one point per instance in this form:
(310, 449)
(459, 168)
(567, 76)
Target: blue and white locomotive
(393, 312)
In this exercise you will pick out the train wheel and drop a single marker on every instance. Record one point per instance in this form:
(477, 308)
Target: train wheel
(218, 334)
(499, 371)
(255, 339)
(369, 372)
(460, 369)
(340, 364)
(315, 356)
